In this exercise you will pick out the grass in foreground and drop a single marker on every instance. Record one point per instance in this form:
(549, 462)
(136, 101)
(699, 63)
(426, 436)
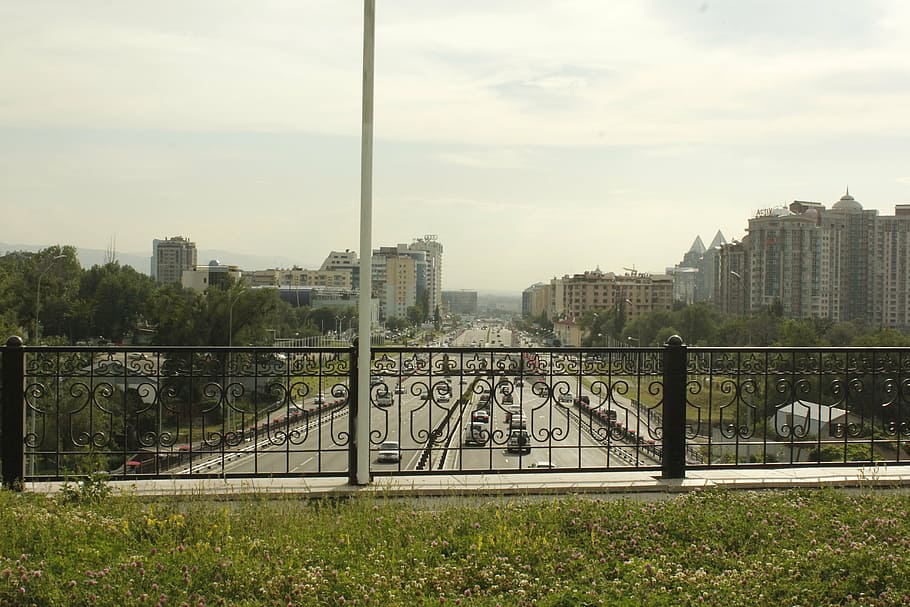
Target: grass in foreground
(714, 548)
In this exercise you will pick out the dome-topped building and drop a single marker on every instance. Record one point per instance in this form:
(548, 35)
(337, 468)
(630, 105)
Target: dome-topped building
(847, 204)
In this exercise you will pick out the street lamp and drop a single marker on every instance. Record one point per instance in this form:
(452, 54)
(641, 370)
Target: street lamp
(230, 365)
(742, 289)
(38, 294)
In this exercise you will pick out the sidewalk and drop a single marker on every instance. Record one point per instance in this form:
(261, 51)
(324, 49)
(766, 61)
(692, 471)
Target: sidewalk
(632, 484)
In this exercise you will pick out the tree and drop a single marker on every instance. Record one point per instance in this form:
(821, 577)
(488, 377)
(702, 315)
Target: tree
(796, 334)
(57, 270)
(415, 315)
(118, 297)
(174, 311)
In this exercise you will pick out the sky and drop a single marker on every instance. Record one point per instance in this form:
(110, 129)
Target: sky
(535, 139)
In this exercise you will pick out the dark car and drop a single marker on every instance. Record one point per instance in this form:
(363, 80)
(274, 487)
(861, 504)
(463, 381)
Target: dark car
(519, 442)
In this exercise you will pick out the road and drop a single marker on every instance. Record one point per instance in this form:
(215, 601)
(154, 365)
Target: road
(559, 432)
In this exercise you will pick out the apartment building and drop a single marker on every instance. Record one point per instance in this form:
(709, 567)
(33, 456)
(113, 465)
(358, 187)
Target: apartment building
(433, 248)
(424, 270)
(636, 293)
(844, 263)
(170, 257)
(299, 277)
(400, 286)
(344, 260)
(535, 300)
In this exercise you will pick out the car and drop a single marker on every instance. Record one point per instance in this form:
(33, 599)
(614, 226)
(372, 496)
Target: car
(389, 451)
(444, 397)
(399, 389)
(320, 399)
(542, 464)
(507, 398)
(476, 434)
(480, 415)
(519, 442)
(518, 421)
(512, 410)
(375, 381)
(567, 397)
(384, 399)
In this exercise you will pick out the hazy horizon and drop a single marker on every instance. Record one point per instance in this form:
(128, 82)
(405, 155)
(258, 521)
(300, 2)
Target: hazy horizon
(535, 139)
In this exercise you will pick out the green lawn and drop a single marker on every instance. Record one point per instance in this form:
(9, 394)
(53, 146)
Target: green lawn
(715, 548)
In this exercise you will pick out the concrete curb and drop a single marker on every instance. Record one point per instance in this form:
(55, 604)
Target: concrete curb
(506, 485)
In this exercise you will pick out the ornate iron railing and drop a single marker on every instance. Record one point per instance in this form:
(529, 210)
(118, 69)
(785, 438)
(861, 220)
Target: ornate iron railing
(198, 412)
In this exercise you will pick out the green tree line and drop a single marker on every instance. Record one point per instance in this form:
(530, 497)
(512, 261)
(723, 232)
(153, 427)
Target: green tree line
(48, 297)
(701, 324)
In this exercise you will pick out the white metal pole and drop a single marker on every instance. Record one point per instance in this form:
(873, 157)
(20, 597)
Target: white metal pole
(362, 437)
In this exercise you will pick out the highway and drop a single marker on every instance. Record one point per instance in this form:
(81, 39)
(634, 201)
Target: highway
(561, 434)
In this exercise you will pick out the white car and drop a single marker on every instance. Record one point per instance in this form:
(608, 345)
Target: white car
(543, 464)
(389, 451)
(320, 399)
(568, 397)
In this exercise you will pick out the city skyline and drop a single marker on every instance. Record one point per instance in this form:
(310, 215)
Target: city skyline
(535, 139)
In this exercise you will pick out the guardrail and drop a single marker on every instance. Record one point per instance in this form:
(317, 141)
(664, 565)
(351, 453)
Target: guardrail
(165, 412)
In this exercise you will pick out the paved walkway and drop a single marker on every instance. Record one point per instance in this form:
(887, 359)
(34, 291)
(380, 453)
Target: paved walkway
(633, 484)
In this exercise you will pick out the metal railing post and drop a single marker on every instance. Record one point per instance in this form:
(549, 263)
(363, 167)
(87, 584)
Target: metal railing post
(13, 448)
(673, 461)
(352, 414)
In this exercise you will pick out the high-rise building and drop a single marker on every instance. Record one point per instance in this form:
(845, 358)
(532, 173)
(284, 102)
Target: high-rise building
(460, 302)
(433, 248)
(426, 255)
(170, 257)
(693, 277)
(535, 300)
(394, 296)
(843, 263)
(400, 285)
